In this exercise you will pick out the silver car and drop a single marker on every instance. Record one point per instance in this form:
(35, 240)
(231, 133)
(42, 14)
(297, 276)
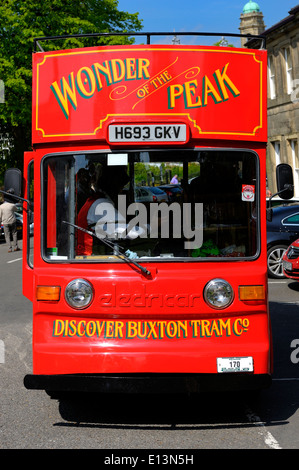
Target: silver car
(150, 194)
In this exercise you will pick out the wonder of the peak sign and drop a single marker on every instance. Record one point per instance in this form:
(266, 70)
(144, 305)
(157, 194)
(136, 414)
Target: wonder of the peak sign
(157, 94)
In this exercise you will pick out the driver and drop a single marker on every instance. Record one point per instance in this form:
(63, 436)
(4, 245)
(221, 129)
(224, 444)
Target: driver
(99, 212)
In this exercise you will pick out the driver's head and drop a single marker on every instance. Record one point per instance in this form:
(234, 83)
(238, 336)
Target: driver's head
(112, 179)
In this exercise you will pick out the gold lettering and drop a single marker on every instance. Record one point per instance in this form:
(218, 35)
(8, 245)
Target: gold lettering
(131, 329)
(89, 79)
(143, 65)
(205, 325)
(224, 82)
(225, 325)
(66, 94)
(58, 327)
(118, 70)
(182, 325)
(109, 329)
(209, 89)
(130, 69)
(119, 329)
(82, 324)
(152, 329)
(100, 327)
(195, 326)
(190, 89)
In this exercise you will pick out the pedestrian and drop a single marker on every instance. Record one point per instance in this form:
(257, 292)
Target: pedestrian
(174, 180)
(8, 219)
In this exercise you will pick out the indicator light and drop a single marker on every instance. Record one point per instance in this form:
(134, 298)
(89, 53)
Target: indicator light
(252, 293)
(47, 293)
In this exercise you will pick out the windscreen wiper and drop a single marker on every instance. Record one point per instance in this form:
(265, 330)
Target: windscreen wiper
(117, 250)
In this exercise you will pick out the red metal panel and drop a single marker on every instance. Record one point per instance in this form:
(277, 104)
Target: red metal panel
(160, 324)
(219, 93)
(134, 346)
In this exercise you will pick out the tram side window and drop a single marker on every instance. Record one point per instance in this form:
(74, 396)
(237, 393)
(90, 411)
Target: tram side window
(58, 206)
(100, 205)
(30, 192)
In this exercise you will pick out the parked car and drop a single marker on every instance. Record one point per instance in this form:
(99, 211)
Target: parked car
(277, 201)
(173, 191)
(150, 194)
(19, 217)
(290, 261)
(282, 230)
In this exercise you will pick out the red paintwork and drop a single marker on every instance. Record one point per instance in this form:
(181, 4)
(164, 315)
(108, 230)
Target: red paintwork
(200, 86)
(294, 273)
(121, 294)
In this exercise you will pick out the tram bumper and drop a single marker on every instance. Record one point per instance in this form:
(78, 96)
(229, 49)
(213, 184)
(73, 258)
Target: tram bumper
(147, 383)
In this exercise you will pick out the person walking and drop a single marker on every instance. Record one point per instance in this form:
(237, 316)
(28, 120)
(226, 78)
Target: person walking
(8, 219)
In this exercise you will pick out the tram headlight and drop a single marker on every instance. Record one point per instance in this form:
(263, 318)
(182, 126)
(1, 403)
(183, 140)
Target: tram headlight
(79, 293)
(218, 293)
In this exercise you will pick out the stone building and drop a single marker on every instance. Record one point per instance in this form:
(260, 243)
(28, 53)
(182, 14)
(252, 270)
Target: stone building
(252, 20)
(282, 41)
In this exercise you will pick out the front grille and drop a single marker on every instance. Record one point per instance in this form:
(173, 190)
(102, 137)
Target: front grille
(293, 253)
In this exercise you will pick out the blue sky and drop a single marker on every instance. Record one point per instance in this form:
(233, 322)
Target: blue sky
(197, 15)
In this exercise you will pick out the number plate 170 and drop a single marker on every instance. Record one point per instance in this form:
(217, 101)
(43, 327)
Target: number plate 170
(234, 364)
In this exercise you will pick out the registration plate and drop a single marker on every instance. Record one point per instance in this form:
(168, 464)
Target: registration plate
(234, 364)
(148, 133)
(287, 265)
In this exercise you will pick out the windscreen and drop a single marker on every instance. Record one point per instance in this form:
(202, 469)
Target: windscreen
(165, 205)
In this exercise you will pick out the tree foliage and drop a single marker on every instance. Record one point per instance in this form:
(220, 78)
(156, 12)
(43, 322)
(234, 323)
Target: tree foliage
(20, 23)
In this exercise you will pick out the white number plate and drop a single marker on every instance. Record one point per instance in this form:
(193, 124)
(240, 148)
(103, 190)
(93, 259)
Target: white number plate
(148, 133)
(287, 265)
(234, 364)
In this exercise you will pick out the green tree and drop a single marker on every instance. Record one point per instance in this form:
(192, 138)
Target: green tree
(20, 23)
(223, 42)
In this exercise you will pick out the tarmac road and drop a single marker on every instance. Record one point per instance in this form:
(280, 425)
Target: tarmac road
(31, 420)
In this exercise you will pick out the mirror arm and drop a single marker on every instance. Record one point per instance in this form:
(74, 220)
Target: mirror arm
(286, 187)
(19, 198)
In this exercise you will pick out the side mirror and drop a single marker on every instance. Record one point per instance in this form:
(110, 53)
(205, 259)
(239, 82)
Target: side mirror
(13, 186)
(13, 181)
(284, 180)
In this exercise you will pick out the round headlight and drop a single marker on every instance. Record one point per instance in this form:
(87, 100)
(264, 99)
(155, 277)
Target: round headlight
(79, 293)
(218, 293)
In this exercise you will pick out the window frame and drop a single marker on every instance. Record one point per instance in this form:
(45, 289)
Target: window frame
(154, 259)
(272, 77)
(30, 179)
(288, 68)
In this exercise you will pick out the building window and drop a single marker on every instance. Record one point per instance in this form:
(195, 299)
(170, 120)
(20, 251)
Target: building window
(293, 149)
(271, 77)
(277, 152)
(288, 69)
